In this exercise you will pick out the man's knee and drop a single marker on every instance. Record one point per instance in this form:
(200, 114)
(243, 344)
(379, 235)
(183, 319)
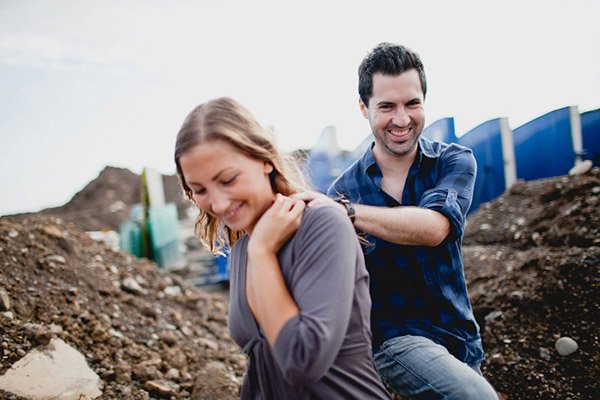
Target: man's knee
(475, 388)
(417, 368)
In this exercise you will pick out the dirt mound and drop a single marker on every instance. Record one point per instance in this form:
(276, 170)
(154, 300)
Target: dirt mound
(143, 331)
(532, 263)
(105, 202)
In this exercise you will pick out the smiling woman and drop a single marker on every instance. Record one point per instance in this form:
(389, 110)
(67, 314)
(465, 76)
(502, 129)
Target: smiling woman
(233, 187)
(300, 305)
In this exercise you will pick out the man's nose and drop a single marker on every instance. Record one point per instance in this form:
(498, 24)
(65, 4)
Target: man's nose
(401, 118)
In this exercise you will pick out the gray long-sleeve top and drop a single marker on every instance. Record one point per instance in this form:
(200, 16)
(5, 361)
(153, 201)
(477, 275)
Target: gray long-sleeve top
(325, 351)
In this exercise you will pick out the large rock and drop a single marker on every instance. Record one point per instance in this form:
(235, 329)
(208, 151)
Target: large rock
(57, 372)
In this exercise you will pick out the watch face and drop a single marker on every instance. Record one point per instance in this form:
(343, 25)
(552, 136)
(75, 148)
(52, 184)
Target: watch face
(349, 207)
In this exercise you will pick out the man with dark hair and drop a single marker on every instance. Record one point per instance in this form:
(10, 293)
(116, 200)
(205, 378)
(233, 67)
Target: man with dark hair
(409, 196)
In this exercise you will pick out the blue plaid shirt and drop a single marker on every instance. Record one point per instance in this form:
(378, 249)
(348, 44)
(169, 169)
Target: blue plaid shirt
(418, 290)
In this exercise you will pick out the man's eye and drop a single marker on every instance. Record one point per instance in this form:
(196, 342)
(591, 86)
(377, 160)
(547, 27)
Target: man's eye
(198, 192)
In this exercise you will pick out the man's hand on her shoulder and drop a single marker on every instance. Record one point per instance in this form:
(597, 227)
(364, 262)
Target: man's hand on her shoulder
(312, 198)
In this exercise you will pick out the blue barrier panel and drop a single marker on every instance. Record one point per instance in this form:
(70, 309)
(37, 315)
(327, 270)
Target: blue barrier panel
(164, 236)
(322, 169)
(222, 264)
(486, 141)
(131, 238)
(441, 130)
(590, 132)
(358, 152)
(544, 146)
(325, 161)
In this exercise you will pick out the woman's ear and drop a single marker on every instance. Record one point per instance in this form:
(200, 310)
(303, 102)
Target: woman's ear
(268, 168)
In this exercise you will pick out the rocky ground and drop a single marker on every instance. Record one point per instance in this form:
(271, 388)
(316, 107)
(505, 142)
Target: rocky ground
(145, 332)
(532, 263)
(532, 260)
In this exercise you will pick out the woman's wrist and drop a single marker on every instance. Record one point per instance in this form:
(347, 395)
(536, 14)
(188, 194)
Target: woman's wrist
(259, 250)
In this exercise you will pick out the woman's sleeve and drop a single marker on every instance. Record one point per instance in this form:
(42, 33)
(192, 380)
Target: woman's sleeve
(322, 282)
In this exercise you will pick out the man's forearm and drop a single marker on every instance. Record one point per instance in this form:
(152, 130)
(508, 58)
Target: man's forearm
(403, 225)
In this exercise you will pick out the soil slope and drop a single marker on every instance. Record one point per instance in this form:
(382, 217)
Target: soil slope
(532, 263)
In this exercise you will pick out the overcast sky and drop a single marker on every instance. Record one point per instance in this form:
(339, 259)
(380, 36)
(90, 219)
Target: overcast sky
(86, 84)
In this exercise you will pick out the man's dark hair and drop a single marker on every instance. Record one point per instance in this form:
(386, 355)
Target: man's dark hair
(387, 59)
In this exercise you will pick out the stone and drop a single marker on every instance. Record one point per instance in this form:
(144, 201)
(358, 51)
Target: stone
(545, 353)
(57, 372)
(147, 370)
(130, 285)
(4, 300)
(581, 168)
(566, 346)
(208, 343)
(172, 291)
(160, 388)
(168, 337)
(56, 258)
(37, 333)
(214, 381)
(123, 373)
(493, 315)
(173, 374)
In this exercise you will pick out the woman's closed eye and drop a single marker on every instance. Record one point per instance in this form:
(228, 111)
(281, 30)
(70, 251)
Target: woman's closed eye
(229, 181)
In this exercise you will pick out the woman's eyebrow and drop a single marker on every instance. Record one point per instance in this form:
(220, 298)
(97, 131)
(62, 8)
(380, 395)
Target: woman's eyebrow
(214, 178)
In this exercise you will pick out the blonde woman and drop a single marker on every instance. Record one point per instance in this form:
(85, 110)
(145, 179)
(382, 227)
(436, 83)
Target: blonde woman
(299, 303)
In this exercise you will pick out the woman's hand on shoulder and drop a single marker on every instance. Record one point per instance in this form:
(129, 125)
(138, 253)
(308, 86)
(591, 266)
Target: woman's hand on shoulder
(277, 225)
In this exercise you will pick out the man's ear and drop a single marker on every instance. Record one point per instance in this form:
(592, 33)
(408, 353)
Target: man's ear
(363, 108)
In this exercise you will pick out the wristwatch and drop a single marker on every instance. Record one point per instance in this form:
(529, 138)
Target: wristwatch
(343, 200)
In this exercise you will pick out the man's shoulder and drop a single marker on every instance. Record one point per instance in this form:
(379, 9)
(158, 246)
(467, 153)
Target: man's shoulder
(435, 149)
(350, 178)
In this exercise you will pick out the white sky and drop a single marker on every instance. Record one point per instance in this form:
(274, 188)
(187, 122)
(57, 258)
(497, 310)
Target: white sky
(85, 84)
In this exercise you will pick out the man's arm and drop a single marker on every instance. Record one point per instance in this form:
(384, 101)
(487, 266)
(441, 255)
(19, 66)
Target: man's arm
(414, 226)
(402, 225)
(442, 210)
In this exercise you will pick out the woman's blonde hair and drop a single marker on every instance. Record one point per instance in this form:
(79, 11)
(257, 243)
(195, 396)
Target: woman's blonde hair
(226, 119)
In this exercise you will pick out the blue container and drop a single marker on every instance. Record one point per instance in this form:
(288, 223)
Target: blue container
(441, 130)
(590, 132)
(544, 147)
(491, 143)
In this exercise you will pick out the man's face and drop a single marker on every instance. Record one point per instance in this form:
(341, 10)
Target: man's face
(396, 112)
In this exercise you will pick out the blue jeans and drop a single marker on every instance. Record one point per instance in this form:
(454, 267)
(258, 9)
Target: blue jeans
(417, 368)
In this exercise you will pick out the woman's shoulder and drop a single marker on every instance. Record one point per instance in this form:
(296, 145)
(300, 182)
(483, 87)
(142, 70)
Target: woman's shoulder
(327, 212)
(323, 218)
(239, 247)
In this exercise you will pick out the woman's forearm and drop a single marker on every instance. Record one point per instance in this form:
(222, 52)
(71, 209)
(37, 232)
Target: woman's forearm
(269, 299)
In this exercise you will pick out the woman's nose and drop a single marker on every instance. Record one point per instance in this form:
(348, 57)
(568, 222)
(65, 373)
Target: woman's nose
(219, 202)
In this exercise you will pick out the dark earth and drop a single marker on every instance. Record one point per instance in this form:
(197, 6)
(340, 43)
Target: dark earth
(532, 260)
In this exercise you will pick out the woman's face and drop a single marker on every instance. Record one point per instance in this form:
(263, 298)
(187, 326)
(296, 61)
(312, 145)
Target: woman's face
(228, 184)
